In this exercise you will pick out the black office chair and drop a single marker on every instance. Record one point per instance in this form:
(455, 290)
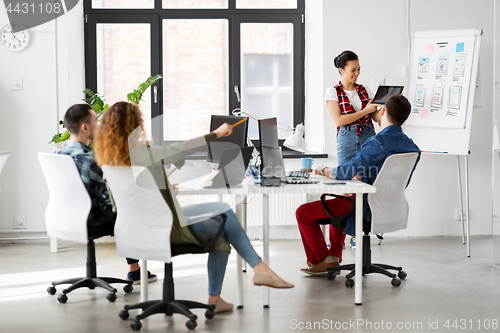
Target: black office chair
(91, 280)
(389, 212)
(142, 230)
(66, 218)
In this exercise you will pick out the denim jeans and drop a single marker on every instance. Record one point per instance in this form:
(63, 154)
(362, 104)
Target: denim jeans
(348, 143)
(217, 260)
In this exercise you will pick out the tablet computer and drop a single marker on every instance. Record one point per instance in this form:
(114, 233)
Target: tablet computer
(384, 92)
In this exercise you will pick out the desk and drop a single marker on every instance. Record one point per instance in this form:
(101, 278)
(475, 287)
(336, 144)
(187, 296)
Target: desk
(241, 191)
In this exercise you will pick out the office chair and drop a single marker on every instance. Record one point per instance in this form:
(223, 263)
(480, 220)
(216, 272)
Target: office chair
(142, 230)
(389, 212)
(66, 218)
(4, 156)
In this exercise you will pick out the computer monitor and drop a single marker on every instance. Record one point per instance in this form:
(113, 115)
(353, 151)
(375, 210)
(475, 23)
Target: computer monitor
(268, 132)
(270, 151)
(232, 167)
(272, 162)
(237, 139)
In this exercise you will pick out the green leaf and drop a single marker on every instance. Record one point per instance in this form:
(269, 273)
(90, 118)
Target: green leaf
(55, 137)
(136, 95)
(60, 137)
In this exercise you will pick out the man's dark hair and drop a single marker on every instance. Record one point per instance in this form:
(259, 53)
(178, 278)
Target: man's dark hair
(398, 109)
(75, 116)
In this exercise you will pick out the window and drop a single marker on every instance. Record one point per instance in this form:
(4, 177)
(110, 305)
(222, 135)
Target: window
(267, 74)
(195, 85)
(215, 56)
(123, 61)
(122, 4)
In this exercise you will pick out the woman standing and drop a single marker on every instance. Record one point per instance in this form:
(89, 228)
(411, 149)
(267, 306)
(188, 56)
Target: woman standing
(350, 107)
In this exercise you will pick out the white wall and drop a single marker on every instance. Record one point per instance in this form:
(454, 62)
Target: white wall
(28, 118)
(377, 32)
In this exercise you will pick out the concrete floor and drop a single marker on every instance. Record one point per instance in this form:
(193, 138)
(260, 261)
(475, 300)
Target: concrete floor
(442, 286)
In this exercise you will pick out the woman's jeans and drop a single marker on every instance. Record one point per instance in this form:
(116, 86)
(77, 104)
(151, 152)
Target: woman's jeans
(348, 144)
(217, 260)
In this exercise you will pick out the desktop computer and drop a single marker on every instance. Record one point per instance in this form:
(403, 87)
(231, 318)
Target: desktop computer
(237, 139)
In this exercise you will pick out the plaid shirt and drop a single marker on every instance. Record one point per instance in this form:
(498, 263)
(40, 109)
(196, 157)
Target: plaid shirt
(346, 106)
(92, 178)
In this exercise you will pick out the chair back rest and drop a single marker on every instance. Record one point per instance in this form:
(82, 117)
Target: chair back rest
(4, 155)
(388, 205)
(144, 220)
(69, 202)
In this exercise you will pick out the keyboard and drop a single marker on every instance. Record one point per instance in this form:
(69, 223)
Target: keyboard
(290, 180)
(298, 174)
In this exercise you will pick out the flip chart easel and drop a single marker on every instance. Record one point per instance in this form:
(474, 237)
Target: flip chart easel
(444, 77)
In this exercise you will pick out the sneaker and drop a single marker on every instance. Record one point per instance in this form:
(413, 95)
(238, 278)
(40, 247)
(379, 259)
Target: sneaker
(136, 277)
(353, 242)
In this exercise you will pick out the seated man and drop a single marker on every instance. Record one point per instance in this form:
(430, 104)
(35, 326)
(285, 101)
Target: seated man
(365, 167)
(81, 121)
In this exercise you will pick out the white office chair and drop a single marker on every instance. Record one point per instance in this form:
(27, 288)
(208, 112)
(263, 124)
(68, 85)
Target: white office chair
(142, 231)
(389, 210)
(66, 218)
(4, 156)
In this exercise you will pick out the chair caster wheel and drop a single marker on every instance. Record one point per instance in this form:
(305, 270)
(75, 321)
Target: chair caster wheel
(402, 275)
(396, 282)
(128, 288)
(209, 314)
(135, 325)
(123, 314)
(62, 298)
(331, 276)
(51, 290)
(191, 324)
(349, 283)
(111, 297)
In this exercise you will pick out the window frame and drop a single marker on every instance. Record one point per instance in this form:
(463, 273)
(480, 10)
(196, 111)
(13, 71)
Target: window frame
(154, 16)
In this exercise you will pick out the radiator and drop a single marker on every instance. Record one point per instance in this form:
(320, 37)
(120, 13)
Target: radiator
(282, 206)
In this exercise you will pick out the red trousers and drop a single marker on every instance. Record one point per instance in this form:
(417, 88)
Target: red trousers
(308, 215)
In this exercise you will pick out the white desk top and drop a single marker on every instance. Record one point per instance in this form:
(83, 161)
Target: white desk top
(247, 187)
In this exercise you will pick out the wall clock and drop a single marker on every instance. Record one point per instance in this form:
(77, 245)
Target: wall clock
(14, 41)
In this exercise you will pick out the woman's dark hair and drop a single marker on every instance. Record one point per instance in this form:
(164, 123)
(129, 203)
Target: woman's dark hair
(75, 116)
(341, 60)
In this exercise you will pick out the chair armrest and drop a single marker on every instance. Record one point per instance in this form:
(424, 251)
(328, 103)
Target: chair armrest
(338, 222)
(209, 245)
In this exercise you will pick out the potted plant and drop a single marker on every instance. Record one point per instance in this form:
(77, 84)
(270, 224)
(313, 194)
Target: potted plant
(97, 104)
